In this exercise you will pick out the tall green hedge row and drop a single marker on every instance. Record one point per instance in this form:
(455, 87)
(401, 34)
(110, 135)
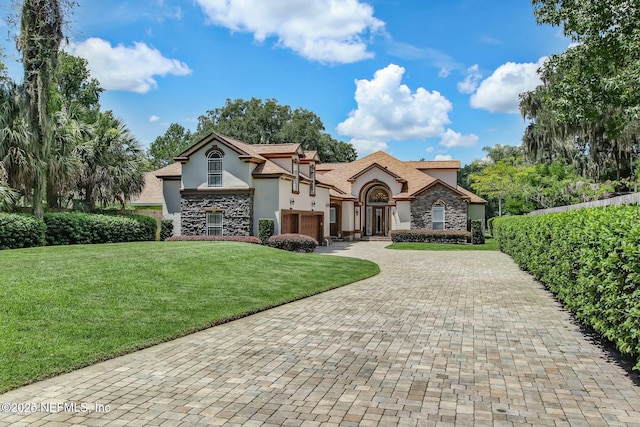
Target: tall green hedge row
(590, 258)
(21, 231)
(78, 228)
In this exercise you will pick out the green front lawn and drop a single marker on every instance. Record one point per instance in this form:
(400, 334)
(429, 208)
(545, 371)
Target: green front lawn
(65, 307)
(490, 245)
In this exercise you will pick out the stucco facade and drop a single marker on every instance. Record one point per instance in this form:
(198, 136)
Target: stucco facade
(371, 196)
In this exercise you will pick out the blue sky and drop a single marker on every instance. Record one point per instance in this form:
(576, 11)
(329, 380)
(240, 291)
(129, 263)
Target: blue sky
(433, 79)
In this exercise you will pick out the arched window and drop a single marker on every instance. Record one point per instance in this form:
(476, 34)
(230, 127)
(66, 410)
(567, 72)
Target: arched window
(214, 161)
(437, 216)
(378, 195)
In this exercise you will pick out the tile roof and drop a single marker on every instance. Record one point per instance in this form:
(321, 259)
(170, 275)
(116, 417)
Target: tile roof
(271, 150)
(311, 155)
(473, 198)
(326, 167)
(257, 153)
(152, 191)
(338, 176)
(340, 173)
(270, 169)
(435, 164)
(174, 170)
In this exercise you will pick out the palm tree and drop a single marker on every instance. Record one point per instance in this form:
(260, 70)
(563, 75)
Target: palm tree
(8, 195)
(64, 164)
(16, 150)
(112, 163)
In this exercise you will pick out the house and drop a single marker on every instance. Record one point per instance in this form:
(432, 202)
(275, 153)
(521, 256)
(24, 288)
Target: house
(222, 186)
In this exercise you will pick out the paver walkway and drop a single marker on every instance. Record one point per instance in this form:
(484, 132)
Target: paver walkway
(437, 338)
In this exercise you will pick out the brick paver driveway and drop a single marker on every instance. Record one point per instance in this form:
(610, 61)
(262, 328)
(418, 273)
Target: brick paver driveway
(438, 338)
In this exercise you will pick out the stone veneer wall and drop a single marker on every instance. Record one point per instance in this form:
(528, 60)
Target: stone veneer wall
(237, 213)
(455, 210)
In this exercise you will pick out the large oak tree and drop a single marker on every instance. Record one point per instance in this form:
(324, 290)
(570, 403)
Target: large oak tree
(266, 122)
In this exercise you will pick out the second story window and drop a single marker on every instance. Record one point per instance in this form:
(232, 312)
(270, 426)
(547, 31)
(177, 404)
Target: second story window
(214, 164)
(312, 175)
(296, 177)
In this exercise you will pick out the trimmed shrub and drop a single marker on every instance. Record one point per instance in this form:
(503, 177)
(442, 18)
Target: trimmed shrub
(20, 231)
(266, 227)
(490, 225)
(243, 239)
(293, 242)
(477, 234)
(431, 236)
(166, 229)
(82, 228)
(590, 259)
(147, 231)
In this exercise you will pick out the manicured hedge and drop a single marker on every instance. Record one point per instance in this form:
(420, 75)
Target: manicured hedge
(431, 236)
(244, 239)
(266, 227)
(166, 229)
(477, 233)
(490, 225)
(70, 228)
(590, 258)
(293, 242)
(20, 231)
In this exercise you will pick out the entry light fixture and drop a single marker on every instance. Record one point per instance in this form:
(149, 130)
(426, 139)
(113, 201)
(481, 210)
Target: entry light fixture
(313, 203)
(292, 201)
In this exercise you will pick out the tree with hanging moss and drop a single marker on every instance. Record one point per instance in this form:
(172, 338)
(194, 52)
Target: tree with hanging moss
(41, 33)
(587, 111)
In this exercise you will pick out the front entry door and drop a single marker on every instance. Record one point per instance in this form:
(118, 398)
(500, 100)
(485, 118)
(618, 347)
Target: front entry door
(378, 221)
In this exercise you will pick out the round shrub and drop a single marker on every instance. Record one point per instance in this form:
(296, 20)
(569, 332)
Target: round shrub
(293, 242)
(20, 231)
(166, 229)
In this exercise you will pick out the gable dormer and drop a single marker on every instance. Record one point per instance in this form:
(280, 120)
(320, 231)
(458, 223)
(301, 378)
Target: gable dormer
(377, 172)
(444, 170)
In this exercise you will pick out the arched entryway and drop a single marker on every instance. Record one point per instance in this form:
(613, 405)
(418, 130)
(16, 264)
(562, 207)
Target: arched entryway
(377, 211)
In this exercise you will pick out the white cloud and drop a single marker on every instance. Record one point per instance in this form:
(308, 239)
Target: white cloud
(452, 139)
(389, 110)
(443, 157)
(366, 146)
(471, 82)
(429, 149)
(499, 92)
(489, 40)
(438, 59)
(444, 72)
(330, 31)
(126, 68)
(154, 118)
